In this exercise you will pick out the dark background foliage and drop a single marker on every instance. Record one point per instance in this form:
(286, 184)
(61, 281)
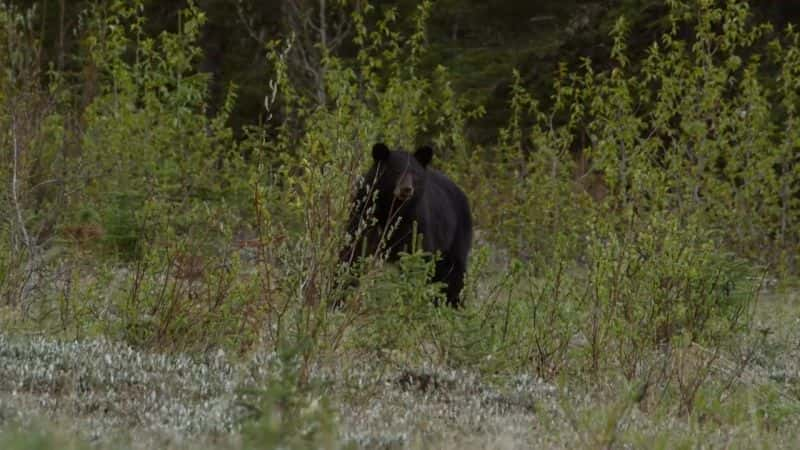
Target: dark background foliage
(479, 42)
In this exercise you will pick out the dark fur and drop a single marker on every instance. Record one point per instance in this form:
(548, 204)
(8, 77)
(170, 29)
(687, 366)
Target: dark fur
(407, 191)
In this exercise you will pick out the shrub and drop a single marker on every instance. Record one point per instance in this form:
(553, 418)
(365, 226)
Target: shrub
(206, 240)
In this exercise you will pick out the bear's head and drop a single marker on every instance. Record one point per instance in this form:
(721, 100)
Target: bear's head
(400, 175)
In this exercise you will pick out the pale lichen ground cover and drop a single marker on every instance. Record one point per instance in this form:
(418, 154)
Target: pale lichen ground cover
(114, 396)
(107, 391)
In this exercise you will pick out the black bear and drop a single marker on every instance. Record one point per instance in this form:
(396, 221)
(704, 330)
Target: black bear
(400, 194)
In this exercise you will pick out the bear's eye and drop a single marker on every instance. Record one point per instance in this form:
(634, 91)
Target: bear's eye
(404, 167)
(392, 170)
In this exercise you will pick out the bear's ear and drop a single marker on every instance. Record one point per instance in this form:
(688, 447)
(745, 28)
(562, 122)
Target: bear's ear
(424, 155)
(380, 152)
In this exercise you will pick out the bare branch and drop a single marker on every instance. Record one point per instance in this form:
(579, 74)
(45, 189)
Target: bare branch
(248, 24)
(321, 28)
(15, 185)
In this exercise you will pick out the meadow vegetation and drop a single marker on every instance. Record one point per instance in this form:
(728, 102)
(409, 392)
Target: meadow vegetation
(632, 282)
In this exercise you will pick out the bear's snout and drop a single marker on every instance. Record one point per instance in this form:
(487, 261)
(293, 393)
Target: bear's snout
(405, 188)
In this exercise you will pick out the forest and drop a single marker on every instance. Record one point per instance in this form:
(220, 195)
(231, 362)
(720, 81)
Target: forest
(178, 178)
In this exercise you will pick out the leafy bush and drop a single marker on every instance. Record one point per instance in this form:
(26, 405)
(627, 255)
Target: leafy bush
(288, 413)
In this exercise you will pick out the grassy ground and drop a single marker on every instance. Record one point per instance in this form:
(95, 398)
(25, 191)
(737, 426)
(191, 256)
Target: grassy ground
(105, 395)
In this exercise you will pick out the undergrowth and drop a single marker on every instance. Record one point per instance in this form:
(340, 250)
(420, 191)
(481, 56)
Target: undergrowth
(624, 230)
